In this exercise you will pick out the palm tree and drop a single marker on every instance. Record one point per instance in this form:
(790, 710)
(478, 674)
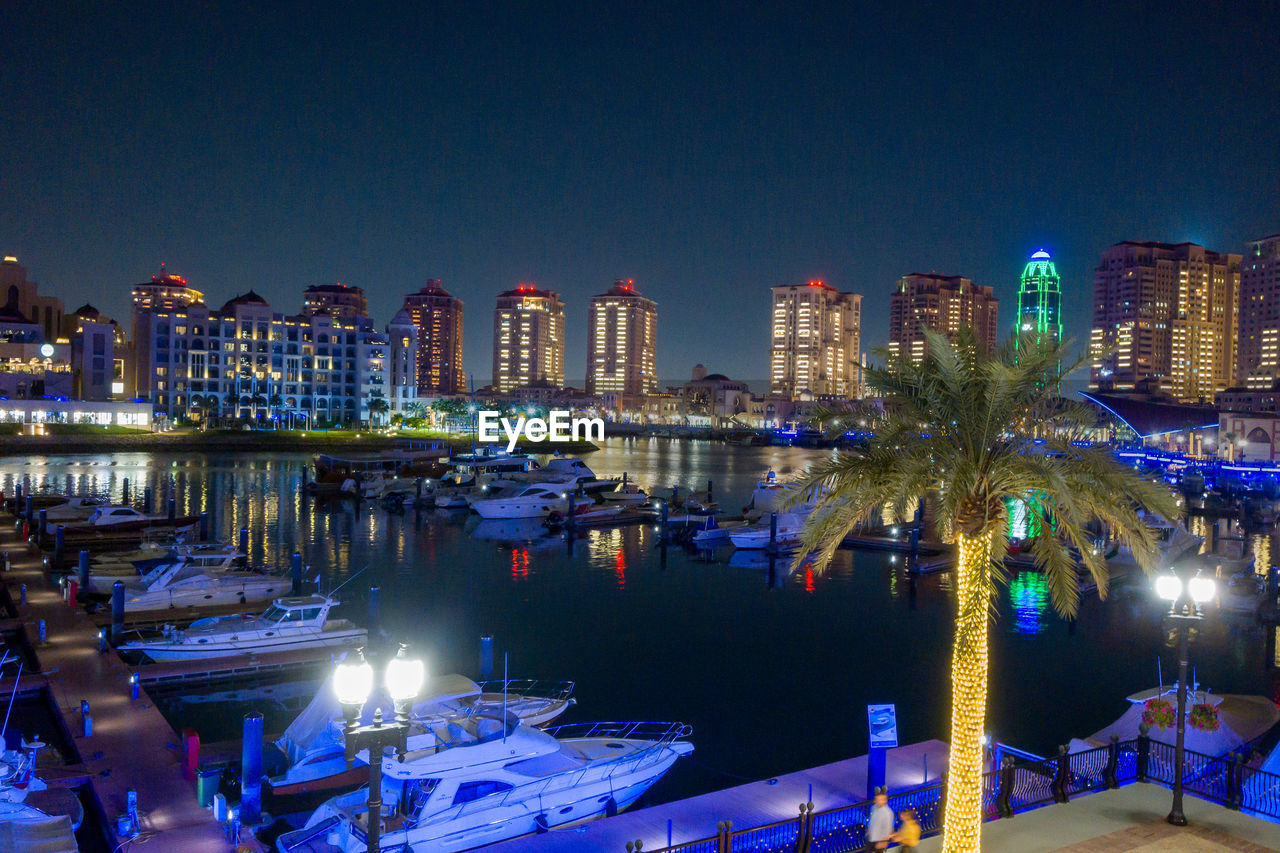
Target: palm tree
(377, 406)
(957, 427)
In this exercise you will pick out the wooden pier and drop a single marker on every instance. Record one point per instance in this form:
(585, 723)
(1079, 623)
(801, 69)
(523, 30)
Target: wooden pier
(753, 804)
(132, 747)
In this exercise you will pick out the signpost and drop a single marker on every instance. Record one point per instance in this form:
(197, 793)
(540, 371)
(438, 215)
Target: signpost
(883, 723)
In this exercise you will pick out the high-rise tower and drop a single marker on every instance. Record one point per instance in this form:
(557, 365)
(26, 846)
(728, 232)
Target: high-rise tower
(528, 338)
(438, 316)
(1040, 300)
(1258, 357)
(622, 342)
(942, 303)
(816, 341)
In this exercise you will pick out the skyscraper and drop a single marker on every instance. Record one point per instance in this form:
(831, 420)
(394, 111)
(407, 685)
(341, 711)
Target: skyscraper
(622, 342)
(943, 303)
(438, 316)
(528, 338)
(816, 341)
(1040, 300)
(1164, 319)
(165, 293)
(1258, 355)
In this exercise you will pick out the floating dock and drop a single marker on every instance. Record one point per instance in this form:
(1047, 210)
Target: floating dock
(132, 747)
(754, 804)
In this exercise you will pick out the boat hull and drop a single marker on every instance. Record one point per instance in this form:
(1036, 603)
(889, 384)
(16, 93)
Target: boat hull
(192, 651)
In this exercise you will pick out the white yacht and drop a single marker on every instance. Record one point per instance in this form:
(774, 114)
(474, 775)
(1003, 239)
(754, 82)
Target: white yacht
(288, 624)
(790, 526)
(535, 500)
(475, 781)
(75, 508)
(103, 576)
(628, 495)
(309, 757)
(1174, 542)
(560, 469)
(184, 584)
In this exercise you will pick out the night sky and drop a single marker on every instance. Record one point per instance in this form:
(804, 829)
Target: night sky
(706, 150)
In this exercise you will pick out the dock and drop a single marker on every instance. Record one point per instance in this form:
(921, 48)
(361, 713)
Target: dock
(753, 804)
(132, 747)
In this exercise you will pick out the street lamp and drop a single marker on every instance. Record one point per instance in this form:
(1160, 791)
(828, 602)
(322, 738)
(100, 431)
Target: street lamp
(1184, 600)
(353, 682)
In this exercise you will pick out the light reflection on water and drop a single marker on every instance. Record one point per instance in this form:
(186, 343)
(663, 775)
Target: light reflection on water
(771, 666)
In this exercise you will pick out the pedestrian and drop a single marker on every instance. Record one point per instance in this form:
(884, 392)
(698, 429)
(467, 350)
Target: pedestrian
(908, 835)
(880, 823)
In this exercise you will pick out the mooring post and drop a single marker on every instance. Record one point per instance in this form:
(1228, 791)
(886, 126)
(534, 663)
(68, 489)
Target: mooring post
(624, 479)
(568, 520)
(295, 570)
(773, 533)
(124, 492)
(486, 657)
(173, 509)
(146, 500)
(417, 488)
(135, 686)
(59, 540)
(117, 612)
(373, 614)
(662, 533)
(251, 771)
(84, 572)
(244, 541)
(31, 508)
(42, 529)
(191, 753)
(204, 526)
(710, 485)
(22, 594)
(86, 719)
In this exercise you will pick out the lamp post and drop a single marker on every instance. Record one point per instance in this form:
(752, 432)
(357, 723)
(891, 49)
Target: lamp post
(1184, 611)
(353, 682)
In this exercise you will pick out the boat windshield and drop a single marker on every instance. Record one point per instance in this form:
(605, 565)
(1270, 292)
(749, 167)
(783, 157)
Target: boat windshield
(275, 614)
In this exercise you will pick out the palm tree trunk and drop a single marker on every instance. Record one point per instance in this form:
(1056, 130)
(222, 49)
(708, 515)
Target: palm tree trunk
(962, 820)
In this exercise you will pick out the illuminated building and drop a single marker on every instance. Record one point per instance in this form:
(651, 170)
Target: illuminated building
(622, 342)
(338, 300)
(528, 338)
(15, 290)
(1164, 320)
(1258, 355)
(438, 318)
(245, 361)
(943, 303)
(165, 292)
(816, 342)
(1040, 300)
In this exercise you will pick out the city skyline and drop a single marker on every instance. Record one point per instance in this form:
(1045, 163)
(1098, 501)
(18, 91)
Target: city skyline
(659, 152)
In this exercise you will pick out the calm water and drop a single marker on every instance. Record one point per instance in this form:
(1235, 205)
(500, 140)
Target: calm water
(772, 671)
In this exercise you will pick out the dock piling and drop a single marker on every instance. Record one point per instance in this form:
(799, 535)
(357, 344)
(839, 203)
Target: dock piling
(244, 541)
(373, 615)
(59, 541)
(30, 509)
(135, 686)
(43, 527)
(568, 521)
(43, 630)
(102, 641)
(486, 657)
(22, 594)
(146, 500)
(295, 571)
(204, 526)
(251, 771)
(773, 533)
(662, 531)
(86, 718)
(173, 509)
(117, 611)
(710, 484)
(124, 492)
(84, 571)
(191, 754)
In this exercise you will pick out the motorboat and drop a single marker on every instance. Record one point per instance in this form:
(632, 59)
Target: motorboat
(712, 532)
(627, 494)
(1174, 541)
(26, 799)
(116, 517)
(584, 514)
(410, 459)
(768, 494)
(760, 534)
(560, 469)
(211, 557)
(535, 500)
(288, 624)
(181, 583)
(487, 778)
(75, 508)
(310, 756)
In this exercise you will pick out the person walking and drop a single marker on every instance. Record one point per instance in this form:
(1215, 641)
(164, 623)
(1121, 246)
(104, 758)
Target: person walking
(908, 835)
(880, 822)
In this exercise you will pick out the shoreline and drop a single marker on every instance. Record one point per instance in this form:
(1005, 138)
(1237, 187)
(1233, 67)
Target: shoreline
(256, 441)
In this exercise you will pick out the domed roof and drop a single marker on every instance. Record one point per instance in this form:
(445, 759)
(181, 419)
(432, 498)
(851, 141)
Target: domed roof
(86, 310)
(402, 318)
(1041, 255)
(250, 298)
(715, 377)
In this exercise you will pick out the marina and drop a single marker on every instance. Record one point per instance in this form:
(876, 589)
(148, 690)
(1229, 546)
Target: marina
(483, 575)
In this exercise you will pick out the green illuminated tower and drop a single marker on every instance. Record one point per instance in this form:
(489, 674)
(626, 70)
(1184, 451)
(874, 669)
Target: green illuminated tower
(1040, 299)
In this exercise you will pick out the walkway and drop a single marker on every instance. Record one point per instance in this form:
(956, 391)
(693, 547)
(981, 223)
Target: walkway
(753, 804)
(1130, 818)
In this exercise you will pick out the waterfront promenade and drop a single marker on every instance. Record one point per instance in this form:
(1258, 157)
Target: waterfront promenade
(1131, 818)
(132, 746)
(753, 804)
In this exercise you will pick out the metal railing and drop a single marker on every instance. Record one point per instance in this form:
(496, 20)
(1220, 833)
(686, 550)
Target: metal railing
(1021, 784)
